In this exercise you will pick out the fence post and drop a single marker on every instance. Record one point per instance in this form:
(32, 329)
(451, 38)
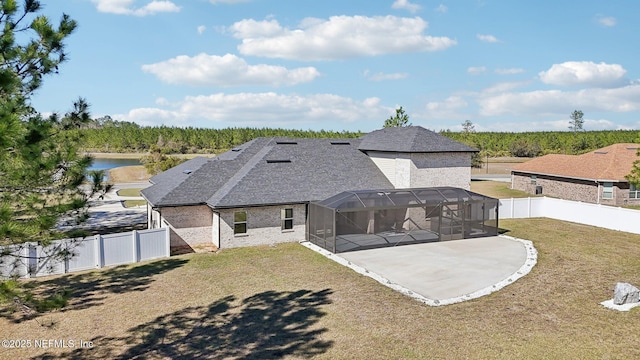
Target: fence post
(134, 237)
(67, 257)
(167, 241)
(513, 207)
(97, 252)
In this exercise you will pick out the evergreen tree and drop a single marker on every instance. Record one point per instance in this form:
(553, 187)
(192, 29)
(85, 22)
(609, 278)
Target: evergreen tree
(42, 174)
(577, 122)
(634, 176)
(399, 119)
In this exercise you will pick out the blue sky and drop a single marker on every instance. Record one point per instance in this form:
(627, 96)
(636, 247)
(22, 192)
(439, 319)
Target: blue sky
(347, 65)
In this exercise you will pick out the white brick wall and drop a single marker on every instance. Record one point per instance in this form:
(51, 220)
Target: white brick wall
(406, 170)
(190, 225)
(441, 169)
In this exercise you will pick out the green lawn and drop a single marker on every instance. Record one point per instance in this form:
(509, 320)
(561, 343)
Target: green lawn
(497, 189)
(129, 192)
(286, 301)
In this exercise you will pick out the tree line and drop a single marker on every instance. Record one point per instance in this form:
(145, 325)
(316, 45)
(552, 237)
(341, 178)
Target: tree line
(130, 137)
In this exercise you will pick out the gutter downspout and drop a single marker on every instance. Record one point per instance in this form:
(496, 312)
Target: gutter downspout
(598, 194)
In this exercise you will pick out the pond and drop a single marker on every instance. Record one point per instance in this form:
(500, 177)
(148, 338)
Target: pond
(106, 164)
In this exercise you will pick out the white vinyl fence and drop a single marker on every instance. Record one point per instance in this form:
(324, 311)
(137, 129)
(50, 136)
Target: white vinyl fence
(608, 217)
(32, 260)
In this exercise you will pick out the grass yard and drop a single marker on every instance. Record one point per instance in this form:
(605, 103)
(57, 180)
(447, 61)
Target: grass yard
(497, 189)
(287, 301)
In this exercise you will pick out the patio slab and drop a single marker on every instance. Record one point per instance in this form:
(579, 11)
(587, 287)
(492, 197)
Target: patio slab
(444, 272)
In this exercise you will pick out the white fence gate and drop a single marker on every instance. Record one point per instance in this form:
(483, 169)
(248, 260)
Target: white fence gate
(31, 259)
(604, 216)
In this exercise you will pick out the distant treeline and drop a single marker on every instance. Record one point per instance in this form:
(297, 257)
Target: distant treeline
(130, 137)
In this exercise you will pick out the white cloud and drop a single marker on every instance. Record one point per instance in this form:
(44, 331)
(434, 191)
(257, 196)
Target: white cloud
(125, 7)
(451, 103)
(552, 102)
(574, 73)
(487, 38)
(504, 87)
(442, 8)
(608, 21)
(260, 110)
(382, 76)
(475, 70)
(339, 37)
(227, 70)
(201, 29)
(511, 71)
(406, 5)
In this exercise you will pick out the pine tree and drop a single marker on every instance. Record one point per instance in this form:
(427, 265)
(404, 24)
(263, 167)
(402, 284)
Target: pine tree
(398, 120)
(43, 177)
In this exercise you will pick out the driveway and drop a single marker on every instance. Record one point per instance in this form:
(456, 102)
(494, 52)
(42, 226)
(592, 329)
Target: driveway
(109, 212)
(445, 272)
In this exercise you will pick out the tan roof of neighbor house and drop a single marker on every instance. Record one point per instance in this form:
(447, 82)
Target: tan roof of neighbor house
(608, 163)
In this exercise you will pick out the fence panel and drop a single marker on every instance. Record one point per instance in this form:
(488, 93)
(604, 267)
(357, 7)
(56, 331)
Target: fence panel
(151, 244)
(608, 217)
(42, 261)
(14, 265)
(31, 259)
(118, 249)
(86, 254)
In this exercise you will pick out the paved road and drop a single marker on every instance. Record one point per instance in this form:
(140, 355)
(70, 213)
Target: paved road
(492, 177)
(109, 212)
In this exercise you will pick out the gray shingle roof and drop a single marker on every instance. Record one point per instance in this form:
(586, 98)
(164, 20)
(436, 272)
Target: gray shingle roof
(410, 139)
(316, 170)
(269, 171)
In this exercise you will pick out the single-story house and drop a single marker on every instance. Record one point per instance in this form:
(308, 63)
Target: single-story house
(595, 177)
(259, 192)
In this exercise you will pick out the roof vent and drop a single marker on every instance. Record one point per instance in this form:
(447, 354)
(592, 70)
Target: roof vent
(236, 149)
(632, 148)
(601, 152)
(187, 171)
(278, 161)
(340, 143)
(285, 142)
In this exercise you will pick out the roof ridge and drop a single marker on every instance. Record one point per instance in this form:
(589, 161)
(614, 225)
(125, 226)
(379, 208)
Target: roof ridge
(241, 173)
(178, 167)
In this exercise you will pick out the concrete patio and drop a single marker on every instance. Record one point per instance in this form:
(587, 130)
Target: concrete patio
(444, 272)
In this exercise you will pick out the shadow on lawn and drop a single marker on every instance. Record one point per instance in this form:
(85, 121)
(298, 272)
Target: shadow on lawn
(267, 325)
(80, 291)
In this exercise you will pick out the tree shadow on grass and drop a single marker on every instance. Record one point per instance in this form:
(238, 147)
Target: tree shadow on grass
(83, 290)
(267, 325)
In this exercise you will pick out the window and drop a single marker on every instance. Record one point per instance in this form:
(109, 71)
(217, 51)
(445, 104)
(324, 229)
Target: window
(286, 215)
(607, 190)
(634, 192)
(533, 179)
(240, 222)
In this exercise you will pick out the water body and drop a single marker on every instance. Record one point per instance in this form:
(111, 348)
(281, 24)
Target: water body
(106, 164)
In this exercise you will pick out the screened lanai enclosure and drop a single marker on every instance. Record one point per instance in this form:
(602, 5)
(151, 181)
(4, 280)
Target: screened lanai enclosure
(358, 220)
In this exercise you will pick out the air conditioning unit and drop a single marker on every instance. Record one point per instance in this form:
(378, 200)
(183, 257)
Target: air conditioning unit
(538, 189)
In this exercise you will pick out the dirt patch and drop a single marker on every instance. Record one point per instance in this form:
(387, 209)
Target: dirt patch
(128, 174)
(500, 165)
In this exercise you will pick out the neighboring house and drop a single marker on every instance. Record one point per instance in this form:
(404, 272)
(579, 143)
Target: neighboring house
(595, 177)
(258, 193)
